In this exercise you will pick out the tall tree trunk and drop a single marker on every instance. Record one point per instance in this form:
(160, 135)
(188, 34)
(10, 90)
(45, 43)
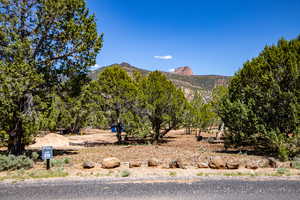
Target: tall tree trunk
(156, 136)
(16, 145)
(119, 132)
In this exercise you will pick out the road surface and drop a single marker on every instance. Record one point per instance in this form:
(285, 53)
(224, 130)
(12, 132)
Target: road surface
(121, 189)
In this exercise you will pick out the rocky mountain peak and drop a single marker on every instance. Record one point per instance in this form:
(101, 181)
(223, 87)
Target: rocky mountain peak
(185, 70)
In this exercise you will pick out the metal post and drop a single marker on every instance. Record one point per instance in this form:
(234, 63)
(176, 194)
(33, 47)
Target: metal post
(48, 164)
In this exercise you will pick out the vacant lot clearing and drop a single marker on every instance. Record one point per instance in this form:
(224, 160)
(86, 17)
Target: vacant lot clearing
(94, 145)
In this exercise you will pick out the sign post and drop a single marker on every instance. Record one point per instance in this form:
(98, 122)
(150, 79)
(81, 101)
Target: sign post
(47, 154)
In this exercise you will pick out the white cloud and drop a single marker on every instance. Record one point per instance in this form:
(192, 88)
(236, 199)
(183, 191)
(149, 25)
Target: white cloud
(168, 57)
(95, 67)
(172, 70)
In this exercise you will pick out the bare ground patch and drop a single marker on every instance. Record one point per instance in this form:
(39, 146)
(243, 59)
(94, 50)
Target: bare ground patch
(95, 145)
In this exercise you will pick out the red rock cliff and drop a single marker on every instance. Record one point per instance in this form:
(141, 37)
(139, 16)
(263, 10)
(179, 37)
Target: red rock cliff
(184, 71)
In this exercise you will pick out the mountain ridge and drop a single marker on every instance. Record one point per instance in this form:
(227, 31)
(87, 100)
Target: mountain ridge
(189, 83)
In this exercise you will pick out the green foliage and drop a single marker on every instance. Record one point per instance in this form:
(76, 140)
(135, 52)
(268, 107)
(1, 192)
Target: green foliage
(16, 114)
(125, 173)
(201, 115)
(262, 107)
(116, 92)
(282, 171)
(12, 162)
(148, 106)
(60, 162)
(3, 138)
(173, 174)
(46, 48)
(35, 156)
(80, 111)
(162, 104)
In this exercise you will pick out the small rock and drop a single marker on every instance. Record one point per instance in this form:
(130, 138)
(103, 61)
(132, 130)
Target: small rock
(153, 162)
(202, 165)
(109, 163)
(176, 164)
(232, 164)
(273, 162)
(134, 164)
(217, 163)
(252, 165)
(88, 165)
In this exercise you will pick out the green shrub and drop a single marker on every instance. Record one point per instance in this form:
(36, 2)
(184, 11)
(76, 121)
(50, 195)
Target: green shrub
(282, 171)
(60, 162)
(3, 138)
(172, 174)
(125, 173)
(12, 162)
(67, 160)
(35, 156)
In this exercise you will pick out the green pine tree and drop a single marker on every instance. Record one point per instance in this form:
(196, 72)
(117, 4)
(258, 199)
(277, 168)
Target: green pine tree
(118, 91)
(262, 108)
(43, 45)
(163, 104)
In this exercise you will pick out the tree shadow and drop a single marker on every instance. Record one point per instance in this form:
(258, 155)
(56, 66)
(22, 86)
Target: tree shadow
(56, 152)
(246, 152)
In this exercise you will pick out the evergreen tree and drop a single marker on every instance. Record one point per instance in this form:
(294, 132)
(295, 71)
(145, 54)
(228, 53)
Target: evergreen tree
(262, 108)
(163, 106)
(43, 45)
(119, 93)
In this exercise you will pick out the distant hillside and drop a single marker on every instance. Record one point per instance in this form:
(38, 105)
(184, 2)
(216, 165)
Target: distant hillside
(189, 83)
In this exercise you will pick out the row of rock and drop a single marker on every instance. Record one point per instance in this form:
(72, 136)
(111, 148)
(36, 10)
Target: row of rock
(218, 162)
(107, 163)
(215, 162)
(112, 162)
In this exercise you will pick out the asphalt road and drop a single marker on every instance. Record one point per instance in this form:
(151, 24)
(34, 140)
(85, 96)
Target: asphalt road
(202, 188)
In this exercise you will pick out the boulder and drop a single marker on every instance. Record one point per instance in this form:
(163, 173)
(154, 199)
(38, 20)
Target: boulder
(88, 165)
(153, 162)
(252, 165)
(109, 163)
(217, 162)
(232, 164)
(202, 165)
(134, 164)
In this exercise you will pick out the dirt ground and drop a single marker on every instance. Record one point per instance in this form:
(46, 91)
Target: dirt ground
(94, 145)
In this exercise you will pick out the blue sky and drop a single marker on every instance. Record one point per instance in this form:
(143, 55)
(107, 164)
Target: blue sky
(211, 37)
